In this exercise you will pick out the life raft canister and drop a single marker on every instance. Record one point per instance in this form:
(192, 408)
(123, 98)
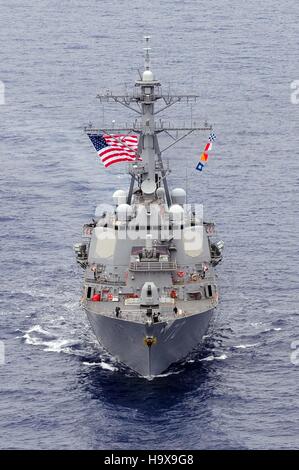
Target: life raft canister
(96, 297)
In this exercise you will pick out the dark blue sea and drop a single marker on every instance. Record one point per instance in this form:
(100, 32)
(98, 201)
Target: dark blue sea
(58, 389)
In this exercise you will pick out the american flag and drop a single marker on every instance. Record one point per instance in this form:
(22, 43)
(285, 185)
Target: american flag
(115, 148)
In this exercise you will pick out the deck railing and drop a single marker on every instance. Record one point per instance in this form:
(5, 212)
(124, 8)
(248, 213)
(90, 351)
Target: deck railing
(153, 266)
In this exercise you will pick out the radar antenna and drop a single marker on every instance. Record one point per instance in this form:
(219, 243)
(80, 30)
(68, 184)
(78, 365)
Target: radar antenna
(147, 49)
(149, 171)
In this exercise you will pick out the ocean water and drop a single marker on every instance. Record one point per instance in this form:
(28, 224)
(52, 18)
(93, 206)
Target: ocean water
(58, 389)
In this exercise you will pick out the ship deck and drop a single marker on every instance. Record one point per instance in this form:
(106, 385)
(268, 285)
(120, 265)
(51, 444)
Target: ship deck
(133, 312)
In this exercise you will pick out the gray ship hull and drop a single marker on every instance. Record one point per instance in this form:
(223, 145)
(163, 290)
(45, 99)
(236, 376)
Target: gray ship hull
(173, 340)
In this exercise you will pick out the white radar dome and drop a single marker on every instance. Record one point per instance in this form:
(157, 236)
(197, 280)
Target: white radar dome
(124, 211)
(148, 187)
(160, 193)
(176, 212)
(178, 196)
(119, 197)
(176, 209)
(147, 76)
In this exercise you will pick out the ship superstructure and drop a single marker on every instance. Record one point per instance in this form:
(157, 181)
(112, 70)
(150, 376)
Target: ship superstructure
(149, 286)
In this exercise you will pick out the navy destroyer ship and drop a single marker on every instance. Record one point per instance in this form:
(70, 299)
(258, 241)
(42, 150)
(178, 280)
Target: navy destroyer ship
(149, 286)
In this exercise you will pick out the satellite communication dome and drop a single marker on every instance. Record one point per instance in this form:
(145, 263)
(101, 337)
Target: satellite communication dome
(176, 209)
(160, 193)
(147, 76)
(124, 211)
(176, 213)
(178, 196)
(119, 197)
(148, 187)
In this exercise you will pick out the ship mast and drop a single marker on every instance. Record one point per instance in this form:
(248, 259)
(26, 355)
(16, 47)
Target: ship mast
(149, 173)
(147, 97)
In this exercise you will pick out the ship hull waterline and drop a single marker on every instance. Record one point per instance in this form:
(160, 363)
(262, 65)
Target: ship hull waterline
(172, 341)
